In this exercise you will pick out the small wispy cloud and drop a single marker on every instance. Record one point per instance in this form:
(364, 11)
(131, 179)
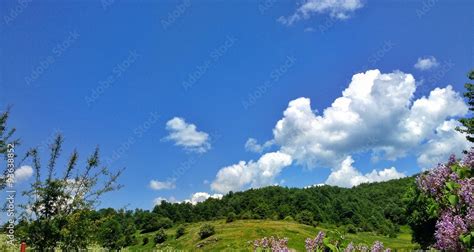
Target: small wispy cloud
(338, 9)
(162, 185)
(426, 63)
(187, 136)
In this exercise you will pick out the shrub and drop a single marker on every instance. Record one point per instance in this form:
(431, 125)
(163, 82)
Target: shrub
(161, 236)
(206, 230)
(231, 217)
(305, 217)
(180, 231)
(288, 218)
(351, 229)
(156, 223)
(145, 240)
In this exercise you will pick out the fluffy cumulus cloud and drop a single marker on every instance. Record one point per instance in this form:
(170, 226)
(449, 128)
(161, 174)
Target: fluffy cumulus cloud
(446, 141)
(187, 136)
(23, 173)
(339, 9)
(426, 63)
(376, 114)
(254, 174)
(162, 185)
(347, 175)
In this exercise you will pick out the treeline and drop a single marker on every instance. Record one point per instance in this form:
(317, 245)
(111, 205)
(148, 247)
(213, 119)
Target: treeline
(367, 207)
(378, 207)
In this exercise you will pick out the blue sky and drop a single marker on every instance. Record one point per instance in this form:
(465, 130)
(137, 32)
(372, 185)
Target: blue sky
(96, 71)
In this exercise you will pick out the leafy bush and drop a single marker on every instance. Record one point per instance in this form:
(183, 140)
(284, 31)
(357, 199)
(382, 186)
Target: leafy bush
(160, 236)
(231, 217)
(305, 217)
(180, 231)
(288, 218)
(206, 230)
(351, 229)
(145, 240)
(156, 223)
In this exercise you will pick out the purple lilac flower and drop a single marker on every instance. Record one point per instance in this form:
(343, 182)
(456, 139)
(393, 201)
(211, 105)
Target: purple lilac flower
(433, 182)
(310, 245)
(469, 159)
(349, 248)
(448, 230)
(470, 217)
(319, 238)
(377, 247)
(466, 191)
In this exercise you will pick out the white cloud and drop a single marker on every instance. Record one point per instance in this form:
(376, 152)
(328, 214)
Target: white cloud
(375, 114)
(195, 198)
(446, 141)
(253, 145)
(158, 200)
(254, 174)
(186, 135)
(161, 185)
(202, 196)
(426, 63)
(23, 173)
(348, 176)
(339, 9)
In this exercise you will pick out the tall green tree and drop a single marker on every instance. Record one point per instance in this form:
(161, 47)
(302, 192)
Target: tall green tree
(468, 122)
(57, 198)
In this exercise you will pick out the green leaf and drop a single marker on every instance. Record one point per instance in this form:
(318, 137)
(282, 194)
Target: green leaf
(450, 185)
(453, 199)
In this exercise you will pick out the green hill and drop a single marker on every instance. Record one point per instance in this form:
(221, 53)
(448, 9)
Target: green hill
(240, 234)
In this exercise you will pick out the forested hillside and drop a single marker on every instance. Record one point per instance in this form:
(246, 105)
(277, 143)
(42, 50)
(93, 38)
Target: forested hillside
(367, 207)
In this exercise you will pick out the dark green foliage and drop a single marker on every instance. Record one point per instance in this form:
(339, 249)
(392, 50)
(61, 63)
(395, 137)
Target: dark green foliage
(468, 123)
(155, 222)
(206, 230)
(420, 219)
(375, 207)
(160, 236)
(231, 217)
(180, 231)
(351, 229)
(145, 240)
(305, 217)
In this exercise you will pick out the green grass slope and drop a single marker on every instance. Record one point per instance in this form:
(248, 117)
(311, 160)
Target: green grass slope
(239, 235)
